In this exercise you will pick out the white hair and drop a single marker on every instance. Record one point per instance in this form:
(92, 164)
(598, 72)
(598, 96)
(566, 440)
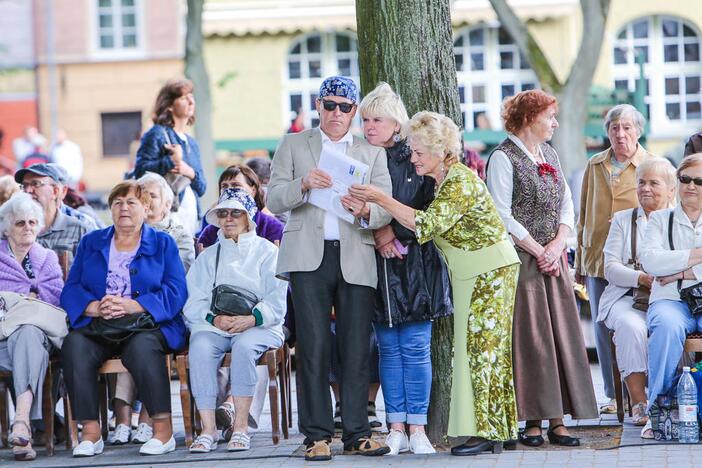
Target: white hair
(20, 206)
(659, 166)
(153, 178)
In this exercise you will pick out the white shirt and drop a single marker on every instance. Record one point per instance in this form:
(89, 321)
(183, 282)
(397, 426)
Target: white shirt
(657, 258)
(68, 156)
(331, 221)
(501, 184)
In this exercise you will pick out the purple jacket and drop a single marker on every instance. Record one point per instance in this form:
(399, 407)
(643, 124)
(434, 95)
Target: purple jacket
(267, 226)
(47, 271)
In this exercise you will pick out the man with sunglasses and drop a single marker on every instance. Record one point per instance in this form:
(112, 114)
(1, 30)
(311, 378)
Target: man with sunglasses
(331, 265)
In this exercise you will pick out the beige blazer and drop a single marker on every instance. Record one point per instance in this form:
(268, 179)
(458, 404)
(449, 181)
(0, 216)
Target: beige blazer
(302, 246)
(599, 200)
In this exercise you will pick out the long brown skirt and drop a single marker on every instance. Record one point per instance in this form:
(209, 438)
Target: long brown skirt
(551, 370)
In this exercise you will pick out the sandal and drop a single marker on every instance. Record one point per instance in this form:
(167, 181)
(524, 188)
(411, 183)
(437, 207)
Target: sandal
(609, 408)
(17, 440)
(647, 431)
(239, 442)
(638, 414)
(25, 453)
(204, 443)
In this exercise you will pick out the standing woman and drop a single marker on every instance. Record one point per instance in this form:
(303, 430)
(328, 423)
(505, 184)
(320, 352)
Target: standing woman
(551, 370)
(466, 227)
(413, 283)
(609, 186)
(166, 149)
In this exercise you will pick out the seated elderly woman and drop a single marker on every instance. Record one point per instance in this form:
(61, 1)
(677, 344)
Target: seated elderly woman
(247, 261)
(29, 269)
(159, 217)
(124, 278)
(618, 309)
(675, 262)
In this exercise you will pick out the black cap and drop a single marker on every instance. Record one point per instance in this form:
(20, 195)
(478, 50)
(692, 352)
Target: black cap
(41, 169)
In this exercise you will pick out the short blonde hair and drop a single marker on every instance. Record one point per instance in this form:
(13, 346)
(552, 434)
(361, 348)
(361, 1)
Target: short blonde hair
(659, 166)
(437, 132)
(689, 161)
(384, 102)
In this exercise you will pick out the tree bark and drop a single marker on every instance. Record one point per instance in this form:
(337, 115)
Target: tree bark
(569, 139)
(409, 44)
(196, 71)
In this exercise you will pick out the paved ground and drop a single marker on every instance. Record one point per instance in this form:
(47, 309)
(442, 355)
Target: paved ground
(597, 436)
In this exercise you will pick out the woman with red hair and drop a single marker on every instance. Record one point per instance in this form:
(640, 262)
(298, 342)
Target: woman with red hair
(524, 176)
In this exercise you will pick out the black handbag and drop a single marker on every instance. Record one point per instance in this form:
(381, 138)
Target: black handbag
(692, 295)
(641, 294)
(119, 329)
(228, 299)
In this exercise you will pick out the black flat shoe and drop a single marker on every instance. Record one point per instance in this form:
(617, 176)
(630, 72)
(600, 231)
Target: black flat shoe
(529, 440)
(565, 441)
(510, 444)
(473, 448)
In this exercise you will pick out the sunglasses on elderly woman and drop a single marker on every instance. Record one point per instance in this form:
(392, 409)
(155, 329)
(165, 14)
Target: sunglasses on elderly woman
(222, 214)
(687, 179)
(344, 107)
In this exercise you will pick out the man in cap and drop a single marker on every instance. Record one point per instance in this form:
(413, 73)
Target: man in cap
(43, 182)
(330, 264)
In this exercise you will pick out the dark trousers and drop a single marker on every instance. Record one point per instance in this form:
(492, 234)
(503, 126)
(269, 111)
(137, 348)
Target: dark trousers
(314, 294)
(143, 355)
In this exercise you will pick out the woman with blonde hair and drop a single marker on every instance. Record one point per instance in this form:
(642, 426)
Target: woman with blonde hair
(463, 222)
(413, 283)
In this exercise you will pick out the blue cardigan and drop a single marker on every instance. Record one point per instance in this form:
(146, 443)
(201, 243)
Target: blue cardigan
(152, 157)
(157, 275)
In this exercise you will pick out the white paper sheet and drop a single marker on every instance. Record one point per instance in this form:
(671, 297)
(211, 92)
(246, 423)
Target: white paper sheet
(344, 172)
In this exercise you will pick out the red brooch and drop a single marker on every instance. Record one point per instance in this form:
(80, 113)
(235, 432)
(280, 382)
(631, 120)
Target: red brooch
(546, 169)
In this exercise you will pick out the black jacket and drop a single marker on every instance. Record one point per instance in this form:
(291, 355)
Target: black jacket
(417, 287)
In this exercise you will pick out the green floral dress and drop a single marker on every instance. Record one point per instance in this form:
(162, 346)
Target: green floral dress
(484, 267)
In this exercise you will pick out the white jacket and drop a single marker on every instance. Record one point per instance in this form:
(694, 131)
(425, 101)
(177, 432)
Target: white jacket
(617, 252)
(250, 264)
(657, 258)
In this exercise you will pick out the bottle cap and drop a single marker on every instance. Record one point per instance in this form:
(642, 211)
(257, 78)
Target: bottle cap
(686, 369)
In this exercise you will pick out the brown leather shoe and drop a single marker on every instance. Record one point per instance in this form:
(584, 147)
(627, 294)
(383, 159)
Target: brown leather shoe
(319, 450)
(368, 447)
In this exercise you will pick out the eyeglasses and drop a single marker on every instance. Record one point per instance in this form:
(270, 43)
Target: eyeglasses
(222, 213)
(687, 179)
(344, 107)
(35, 184)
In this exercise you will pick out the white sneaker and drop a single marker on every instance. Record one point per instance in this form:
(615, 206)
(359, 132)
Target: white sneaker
(156, 447)
(419, 444)
(397, 441)
(89, 449)
(120, 435)
(143, 433)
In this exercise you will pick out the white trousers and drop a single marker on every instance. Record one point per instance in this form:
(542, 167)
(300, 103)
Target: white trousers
(630, 336)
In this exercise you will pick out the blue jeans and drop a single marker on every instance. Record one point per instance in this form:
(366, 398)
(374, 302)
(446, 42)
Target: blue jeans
(668, 323)
(405, 370)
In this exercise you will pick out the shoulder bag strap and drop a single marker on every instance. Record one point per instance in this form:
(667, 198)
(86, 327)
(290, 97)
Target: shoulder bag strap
(670, 240)
(165, 133)
(634, 217)
(214, 281)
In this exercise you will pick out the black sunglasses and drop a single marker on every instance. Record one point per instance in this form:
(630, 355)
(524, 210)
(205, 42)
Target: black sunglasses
(687, 179)
(344, 107)
(222, 213)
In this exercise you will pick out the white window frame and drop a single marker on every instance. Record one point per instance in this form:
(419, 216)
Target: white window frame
(492, 77)
(308, 86)
(118, 51)
(656, 70)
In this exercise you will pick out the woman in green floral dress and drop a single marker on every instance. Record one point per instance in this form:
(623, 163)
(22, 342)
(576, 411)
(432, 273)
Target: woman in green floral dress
(465, 225)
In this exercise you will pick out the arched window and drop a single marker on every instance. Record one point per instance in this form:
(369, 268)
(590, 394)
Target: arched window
(670, 50)
(490, 68)
(311, 58)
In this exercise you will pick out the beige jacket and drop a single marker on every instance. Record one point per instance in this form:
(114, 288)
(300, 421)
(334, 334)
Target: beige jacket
(599, 200)
(302, 246)
(18, 310)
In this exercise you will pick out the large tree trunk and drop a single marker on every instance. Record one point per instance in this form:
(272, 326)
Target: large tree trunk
(409, 44)
(196, 71)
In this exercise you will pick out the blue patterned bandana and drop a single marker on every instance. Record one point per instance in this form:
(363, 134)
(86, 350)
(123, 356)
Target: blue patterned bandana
(339, 86)
(234, 198)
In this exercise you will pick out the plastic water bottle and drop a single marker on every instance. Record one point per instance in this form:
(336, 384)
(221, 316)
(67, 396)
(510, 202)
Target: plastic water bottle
(688, 427)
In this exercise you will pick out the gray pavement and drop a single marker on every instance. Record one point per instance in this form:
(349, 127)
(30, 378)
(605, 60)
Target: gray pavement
(596, 433)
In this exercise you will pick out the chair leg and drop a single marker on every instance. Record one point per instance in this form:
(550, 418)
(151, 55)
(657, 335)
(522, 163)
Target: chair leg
(185, 398)
(48, 408)
(71, 425)
(104, 421)
(288, 380)
(617, 378)
(4, 413)
(273, 395)
(282, 379)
